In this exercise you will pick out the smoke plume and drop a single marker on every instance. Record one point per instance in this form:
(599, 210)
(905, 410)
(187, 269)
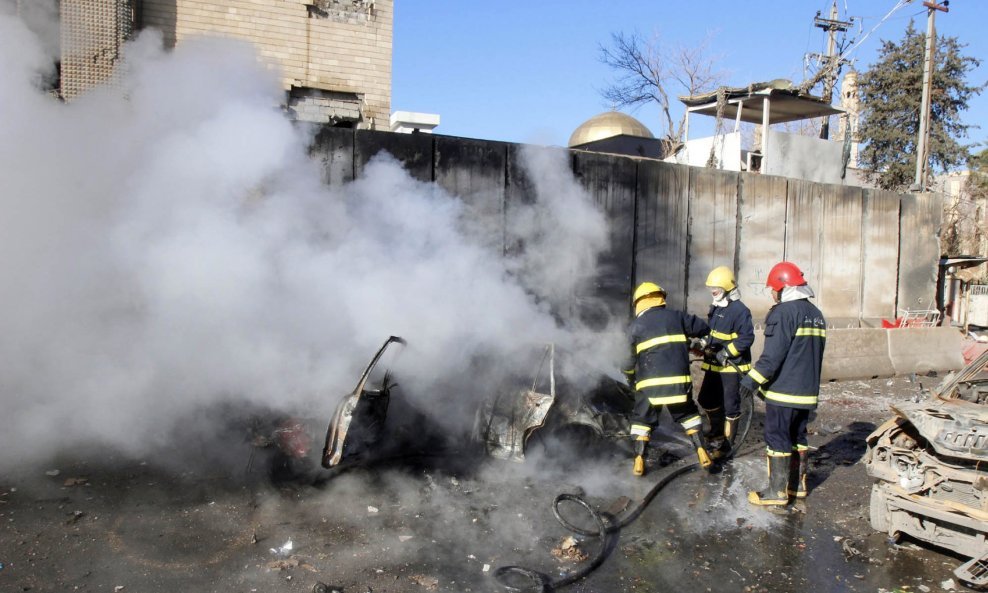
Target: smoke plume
(167, 244)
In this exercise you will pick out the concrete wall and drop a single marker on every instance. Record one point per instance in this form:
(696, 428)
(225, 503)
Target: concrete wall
(331, 46)
(865, 353)
(919, 250)
(803, 157)
(671, 223)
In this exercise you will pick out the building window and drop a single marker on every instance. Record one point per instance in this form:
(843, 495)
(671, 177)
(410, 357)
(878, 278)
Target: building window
(342, 11)
(335, 108)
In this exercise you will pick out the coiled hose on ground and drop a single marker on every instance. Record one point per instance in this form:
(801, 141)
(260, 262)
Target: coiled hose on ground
(523, 580)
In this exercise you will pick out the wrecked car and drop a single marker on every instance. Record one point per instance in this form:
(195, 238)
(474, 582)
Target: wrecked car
(930, 464)
(546, 399)
(559, 401)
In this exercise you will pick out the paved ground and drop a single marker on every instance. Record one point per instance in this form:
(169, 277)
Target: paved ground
(110, 524)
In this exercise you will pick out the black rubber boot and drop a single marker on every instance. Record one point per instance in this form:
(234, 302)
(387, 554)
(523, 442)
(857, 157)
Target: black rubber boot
(716, 418)
(706, 462)
(797, 474)
(778, 478)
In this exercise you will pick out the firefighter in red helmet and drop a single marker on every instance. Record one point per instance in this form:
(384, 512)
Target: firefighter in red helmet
(787, 376)
(659, 370)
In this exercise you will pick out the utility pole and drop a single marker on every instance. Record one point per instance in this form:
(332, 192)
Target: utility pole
(832, 63)
(923, 139)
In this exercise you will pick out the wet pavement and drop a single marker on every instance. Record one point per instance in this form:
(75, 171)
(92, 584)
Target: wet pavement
(111, 524)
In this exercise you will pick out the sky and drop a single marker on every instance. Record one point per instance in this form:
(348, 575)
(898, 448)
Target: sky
(523, 71)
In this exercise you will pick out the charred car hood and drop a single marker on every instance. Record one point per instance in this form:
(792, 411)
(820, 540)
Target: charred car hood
(952, 427)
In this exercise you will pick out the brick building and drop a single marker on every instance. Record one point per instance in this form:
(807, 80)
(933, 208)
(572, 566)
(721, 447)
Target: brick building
(334, 55)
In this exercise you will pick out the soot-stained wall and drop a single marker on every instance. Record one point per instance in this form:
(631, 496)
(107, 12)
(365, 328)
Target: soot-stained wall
(866, 253)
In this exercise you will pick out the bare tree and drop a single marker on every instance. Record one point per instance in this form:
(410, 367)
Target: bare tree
(648, 71)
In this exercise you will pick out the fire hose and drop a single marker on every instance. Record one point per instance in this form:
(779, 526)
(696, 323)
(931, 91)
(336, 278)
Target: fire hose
(606, 526)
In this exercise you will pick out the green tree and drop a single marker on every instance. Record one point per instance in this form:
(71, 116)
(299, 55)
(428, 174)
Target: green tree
(891, 95)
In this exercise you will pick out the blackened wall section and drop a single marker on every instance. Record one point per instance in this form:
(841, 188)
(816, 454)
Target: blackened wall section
(866, 253)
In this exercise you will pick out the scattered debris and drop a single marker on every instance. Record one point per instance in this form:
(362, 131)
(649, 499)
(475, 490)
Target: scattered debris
(372, 510)
(76, 482)
(118, 588)
(52, 472)
(283, 564)
(948, 585)
(569, 551)
(429, 583)
(1, 565)
(849, 550)
(486, 568)
(320, 587)
(924, 589)
(76, 515)
(405, 538)
(284, 549)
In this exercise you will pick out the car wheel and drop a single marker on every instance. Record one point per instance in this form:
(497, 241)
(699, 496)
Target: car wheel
(572, 441)
(879, 510)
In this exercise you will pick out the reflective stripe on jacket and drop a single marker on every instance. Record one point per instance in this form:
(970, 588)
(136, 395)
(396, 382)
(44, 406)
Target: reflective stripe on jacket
(731, 327)
(788, 371)
(659, 340)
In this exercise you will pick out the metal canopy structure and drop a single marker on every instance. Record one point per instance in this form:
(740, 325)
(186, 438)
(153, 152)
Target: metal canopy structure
(766, 103)
(783, 105)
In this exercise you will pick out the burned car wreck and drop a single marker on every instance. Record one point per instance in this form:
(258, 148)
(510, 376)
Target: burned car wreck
(548, 400)
(930, 463)
(555, 402)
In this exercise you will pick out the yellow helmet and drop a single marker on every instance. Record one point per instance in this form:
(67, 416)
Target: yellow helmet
(646, 288)
(722, 277)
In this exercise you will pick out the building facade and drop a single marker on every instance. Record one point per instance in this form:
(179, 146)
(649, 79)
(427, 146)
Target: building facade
(334, 55)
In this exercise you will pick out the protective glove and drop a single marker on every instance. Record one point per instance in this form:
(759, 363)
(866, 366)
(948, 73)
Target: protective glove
(748, 387)
(697, 345)
(722, 357)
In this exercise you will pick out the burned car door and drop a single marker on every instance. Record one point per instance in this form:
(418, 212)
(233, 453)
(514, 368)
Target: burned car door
(509, 417)
(358, 422)
(563, 403)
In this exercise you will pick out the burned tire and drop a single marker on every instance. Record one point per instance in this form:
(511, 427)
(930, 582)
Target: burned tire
(879, 510)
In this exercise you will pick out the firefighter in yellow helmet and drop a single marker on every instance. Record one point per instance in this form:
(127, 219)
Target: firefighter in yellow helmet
(727, 351)
(659, 370)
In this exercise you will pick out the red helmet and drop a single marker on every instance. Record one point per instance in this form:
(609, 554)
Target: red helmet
(784, 274)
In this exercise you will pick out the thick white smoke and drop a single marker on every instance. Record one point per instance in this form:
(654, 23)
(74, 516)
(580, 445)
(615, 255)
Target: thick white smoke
(166, 243)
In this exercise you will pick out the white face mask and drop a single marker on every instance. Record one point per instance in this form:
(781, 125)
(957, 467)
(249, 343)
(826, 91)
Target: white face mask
(719, 296)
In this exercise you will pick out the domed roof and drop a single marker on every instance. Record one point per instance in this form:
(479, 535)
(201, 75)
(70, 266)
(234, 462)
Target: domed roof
(608, 125)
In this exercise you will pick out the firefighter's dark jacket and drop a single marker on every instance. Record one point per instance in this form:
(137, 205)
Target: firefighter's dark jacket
(788, 371)
(660, 361)
(732, 329)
